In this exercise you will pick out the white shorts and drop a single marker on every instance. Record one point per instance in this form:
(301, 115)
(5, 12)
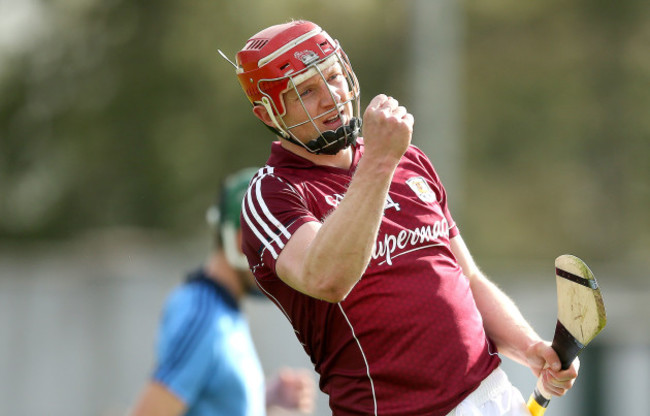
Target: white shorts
(495, 396)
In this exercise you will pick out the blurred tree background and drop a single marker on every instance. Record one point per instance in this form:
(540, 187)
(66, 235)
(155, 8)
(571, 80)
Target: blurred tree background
(121, 113)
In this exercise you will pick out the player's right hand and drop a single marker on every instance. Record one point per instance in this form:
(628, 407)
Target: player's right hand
(387, 128)
(544, 361)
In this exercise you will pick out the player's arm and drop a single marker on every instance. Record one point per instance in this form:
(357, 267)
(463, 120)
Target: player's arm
(157, 400)
(326, 260)
(502, 320)
(172, 394)
(506, 326)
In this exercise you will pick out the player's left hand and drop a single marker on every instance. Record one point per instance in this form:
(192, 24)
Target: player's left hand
(544, 361)
(292, 389)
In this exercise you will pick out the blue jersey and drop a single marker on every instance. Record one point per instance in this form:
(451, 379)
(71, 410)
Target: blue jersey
(205, 352)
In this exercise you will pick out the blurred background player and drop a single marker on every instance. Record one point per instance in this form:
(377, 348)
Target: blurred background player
(206, 362)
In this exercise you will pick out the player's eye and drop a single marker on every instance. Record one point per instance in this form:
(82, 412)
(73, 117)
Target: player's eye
(334, 76)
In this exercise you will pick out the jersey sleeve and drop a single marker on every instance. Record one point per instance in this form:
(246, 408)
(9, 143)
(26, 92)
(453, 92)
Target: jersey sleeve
(441, 193)
(185, 341)
(272, 211)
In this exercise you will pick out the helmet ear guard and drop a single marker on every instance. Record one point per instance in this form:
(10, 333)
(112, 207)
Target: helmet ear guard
(267, 104)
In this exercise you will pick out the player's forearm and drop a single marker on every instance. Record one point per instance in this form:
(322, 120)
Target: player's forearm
(341, 250)
(503, 321)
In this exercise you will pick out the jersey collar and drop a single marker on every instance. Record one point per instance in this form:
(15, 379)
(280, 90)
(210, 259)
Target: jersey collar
(281, 157)
(199, 276)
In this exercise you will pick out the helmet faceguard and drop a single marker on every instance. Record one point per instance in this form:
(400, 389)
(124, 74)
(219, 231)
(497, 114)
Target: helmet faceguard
(278, 59)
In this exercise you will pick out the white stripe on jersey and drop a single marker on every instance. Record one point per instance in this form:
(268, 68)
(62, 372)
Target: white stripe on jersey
(277, 303)
(258, 235)
(248, 202)
(372, 383)
(265, 209)
(248, 205)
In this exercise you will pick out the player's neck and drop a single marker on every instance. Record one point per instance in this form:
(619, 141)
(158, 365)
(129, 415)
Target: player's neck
(342, 159)
(218, 269)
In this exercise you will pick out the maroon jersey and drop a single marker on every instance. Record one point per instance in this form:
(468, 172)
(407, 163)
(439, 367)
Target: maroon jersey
(408, 339)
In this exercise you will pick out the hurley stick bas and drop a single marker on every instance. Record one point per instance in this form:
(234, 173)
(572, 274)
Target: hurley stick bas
(580, 317)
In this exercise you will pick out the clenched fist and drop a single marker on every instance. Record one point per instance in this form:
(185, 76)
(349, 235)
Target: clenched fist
(387, 128)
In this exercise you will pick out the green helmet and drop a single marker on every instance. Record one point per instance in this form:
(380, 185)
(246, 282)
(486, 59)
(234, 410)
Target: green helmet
(223, 216)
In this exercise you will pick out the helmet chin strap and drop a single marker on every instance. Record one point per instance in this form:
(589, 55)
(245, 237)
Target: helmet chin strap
(329, 142)
(332, 141)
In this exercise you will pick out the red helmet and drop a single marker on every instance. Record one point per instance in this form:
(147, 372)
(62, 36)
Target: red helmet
(280, 57)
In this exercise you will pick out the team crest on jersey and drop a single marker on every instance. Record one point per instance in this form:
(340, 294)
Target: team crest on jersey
(421, 188)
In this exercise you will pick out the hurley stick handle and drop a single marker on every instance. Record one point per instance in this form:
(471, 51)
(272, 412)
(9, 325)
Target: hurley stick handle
(539, 399)
(567, 348)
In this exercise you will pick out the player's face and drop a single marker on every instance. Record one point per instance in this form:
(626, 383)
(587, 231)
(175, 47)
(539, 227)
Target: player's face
(320, 96)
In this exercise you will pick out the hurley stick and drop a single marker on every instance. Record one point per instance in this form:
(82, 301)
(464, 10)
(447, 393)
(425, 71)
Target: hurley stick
(580, 317)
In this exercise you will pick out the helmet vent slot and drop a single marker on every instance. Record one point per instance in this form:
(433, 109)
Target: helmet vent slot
(256, 44)
(325, 46)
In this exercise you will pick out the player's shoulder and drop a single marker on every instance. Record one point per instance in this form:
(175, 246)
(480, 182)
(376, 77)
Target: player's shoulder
(271, 180)
(417, 155)
(414, 151)
(267, 174)
(193, 300)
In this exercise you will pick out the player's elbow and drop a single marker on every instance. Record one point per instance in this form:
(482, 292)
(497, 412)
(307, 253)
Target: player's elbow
(333, 289)
(333, 295)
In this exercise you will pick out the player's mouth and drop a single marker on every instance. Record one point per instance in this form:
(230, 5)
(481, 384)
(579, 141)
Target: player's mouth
(334, 122)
